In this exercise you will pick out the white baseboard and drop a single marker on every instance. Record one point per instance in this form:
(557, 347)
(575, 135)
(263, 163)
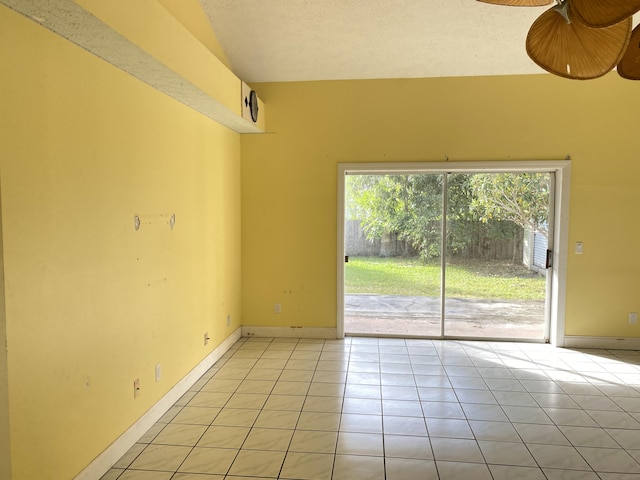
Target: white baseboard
(290, 332)
(608, 343)
(117, 449)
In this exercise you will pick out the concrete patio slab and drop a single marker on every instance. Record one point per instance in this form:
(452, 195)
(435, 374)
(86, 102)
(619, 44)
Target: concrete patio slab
(421, 316)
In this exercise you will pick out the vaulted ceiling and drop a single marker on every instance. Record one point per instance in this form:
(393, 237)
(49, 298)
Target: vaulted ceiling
(297, 40)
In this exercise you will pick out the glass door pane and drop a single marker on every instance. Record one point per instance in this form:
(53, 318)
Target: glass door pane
(393, 242)
(496, 243)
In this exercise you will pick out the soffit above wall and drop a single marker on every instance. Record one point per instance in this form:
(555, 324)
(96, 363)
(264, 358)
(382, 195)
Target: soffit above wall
(213, 92)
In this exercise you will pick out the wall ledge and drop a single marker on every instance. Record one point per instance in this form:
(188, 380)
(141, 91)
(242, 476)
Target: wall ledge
(117, 449)
(609, 343)
(290, 332)
(74, 23)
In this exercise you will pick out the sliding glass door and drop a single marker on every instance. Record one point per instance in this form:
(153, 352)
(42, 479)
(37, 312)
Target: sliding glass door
(447, 254)
(495, 281)
(393, 240)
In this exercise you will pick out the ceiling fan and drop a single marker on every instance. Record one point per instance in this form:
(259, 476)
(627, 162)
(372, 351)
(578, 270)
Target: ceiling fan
(583, 39)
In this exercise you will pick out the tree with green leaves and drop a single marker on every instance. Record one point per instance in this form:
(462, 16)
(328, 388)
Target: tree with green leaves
(521, 198)
(409, 206)
(479, 206)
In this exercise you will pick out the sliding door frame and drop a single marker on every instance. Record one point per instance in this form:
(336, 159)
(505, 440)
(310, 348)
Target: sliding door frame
(562, 171)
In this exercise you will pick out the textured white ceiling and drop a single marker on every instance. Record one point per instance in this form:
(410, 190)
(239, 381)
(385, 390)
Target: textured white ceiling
(294, 40)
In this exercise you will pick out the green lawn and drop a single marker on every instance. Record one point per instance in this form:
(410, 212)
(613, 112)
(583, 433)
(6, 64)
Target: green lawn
(468, 279)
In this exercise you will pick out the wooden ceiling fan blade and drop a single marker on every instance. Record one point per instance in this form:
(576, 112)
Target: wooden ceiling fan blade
(629, 66)
(519, 3)
(604, 13)
(575, 50)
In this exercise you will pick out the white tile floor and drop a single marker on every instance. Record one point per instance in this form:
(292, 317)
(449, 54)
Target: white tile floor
(395, 409)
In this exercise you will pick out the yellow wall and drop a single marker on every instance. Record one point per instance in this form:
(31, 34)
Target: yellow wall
(92, 304)
(191, 15)
(289, 179)
(5, 433)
